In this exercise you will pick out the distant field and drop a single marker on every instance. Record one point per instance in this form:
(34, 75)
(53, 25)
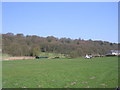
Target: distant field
(42, 54)
(4, 55)
(61, 73)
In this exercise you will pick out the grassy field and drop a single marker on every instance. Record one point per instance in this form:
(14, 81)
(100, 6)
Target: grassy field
(51, 55)
(61, 73)
(4, 55)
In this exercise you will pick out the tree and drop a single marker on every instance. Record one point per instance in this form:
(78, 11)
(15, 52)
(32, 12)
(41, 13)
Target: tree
(36, 51)
(32, 45)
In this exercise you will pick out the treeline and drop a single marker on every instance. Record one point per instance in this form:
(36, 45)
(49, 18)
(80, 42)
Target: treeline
(32, 45)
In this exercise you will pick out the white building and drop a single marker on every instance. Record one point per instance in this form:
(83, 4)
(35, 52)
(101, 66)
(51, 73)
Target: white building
(115, 52)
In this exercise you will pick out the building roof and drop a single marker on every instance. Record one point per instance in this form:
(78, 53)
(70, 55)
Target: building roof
(115, 51)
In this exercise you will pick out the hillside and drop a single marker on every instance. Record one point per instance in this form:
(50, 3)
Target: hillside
(32, 45)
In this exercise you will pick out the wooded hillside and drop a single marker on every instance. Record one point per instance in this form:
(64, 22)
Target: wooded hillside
(32, 45)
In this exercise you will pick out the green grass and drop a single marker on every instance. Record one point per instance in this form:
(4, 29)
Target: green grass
(4, 55)
(52, 55)
(61, 73)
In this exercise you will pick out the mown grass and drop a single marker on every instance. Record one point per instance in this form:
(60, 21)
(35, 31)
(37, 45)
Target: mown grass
(61, 73)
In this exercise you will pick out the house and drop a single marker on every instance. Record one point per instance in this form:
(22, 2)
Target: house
(113, 53)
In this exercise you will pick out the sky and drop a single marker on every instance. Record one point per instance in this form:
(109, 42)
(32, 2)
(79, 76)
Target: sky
(85, 20)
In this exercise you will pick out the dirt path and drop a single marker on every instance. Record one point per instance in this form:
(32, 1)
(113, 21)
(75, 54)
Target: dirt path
(18, 58)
